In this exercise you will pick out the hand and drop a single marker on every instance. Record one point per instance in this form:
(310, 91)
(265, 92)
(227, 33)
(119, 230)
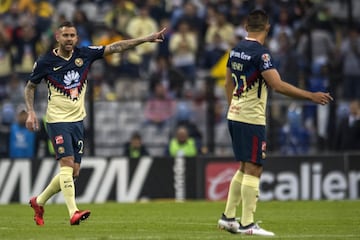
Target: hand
(32, 122)
(157, 37)
(321, 98)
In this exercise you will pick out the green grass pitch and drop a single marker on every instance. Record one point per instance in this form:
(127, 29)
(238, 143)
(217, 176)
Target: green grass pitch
(315, 220)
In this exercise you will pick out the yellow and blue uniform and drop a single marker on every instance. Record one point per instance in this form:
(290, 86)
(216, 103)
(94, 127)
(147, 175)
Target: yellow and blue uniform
(247, 111)
(67, 81)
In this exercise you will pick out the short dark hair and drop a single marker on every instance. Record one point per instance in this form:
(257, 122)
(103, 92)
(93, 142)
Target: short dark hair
(66, 24)
(257, 20)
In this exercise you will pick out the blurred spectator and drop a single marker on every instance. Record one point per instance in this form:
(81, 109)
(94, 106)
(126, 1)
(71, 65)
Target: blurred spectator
(283, 25)
(348, 130)
(163, 48)
(160, 108)
(213, 52)
(112, 61)
(221, 27)
(210, 16)
(317, 117)
(294, 138)
(301, 11)
(8, 114)
(285, 56)
(135, 148)
(25, 40)
(170, 77)
(322, 45)
(5, 59)
(4, 141)
(84, 28)
(142, 25)
(90, 8)
(22, 141)
(15, 90)
(183, 47)
(44, 11)
(10, 16)
(26, 6)
(181, 144)
(183, 119)
(350, 53)
(120, 14)
(236, 14)
(66, 8)
(157, 10)
(189, 13)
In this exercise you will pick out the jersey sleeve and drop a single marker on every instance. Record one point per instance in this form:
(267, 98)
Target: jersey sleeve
(265, 61)
(38, 72)
(94, 52)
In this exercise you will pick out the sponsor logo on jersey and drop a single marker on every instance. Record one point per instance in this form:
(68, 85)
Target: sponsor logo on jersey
(57, 68)
(266, 60)
(265, 57)
(241, 55)
(71, 79)
(59, 139)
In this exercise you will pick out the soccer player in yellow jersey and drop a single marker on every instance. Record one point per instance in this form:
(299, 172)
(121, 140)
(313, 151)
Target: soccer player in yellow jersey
(65, 71)
(250, 72)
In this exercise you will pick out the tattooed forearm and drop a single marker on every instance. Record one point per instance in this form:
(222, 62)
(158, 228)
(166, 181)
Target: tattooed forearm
(29, 94)
(120, 46)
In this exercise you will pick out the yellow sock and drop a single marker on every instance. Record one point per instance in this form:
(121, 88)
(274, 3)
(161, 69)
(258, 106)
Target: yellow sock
(250, 194)
(68, 188)
(50, 190)
(234, 195)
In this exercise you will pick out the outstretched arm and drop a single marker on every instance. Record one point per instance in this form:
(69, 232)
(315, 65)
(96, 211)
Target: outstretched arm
(273, 79)
(31, 122)
(119, 46)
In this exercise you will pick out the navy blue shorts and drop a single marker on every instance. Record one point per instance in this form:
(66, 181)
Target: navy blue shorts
(67, 139)
(248, 142)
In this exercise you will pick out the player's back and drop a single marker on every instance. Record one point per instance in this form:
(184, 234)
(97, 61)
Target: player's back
(247, 60)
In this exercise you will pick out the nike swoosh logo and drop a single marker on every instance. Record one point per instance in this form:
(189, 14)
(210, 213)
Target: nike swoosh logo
(57, 68)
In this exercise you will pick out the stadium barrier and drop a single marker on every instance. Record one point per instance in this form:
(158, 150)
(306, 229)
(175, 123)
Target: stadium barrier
(330, 177)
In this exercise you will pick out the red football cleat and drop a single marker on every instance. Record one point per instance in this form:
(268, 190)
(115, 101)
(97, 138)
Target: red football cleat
(39, 211)
(79, 216)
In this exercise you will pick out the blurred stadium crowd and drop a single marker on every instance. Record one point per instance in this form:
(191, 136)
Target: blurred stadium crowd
(315, 45)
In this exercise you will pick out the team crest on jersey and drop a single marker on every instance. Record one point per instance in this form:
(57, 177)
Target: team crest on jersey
(79, 62)
(61, 150)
